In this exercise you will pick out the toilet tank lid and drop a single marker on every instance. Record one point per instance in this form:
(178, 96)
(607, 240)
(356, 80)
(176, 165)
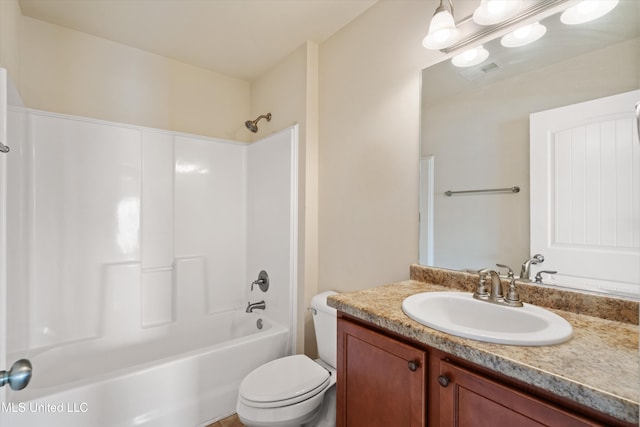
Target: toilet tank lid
(319, 302)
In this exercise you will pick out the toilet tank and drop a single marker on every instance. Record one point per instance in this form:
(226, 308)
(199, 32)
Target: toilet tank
(324, 323)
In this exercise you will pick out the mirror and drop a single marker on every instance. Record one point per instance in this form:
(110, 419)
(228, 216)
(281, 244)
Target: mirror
(475, 133)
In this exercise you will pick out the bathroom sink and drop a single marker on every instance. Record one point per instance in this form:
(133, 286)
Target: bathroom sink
(459, 314)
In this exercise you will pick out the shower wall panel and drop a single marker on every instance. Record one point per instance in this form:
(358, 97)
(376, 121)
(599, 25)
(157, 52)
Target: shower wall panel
(272, 220)
(17, 234)
(210, 193)
(117, 229)
(157, 229)
(157, 200)
(86, 219)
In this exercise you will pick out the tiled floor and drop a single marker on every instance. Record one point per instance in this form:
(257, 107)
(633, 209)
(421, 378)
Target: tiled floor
(232, 421)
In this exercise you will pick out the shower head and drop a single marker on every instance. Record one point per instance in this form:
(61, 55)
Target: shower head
(252, 125)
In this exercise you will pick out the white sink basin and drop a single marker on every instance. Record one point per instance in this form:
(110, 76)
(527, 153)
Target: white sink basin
(460, 314)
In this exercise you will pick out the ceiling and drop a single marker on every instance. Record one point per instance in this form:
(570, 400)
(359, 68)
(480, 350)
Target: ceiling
(238, 38)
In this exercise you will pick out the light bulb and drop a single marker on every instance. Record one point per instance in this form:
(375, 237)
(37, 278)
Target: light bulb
(497, 7)
(586, 7)
(492, 12)
(524, 35)
(587, 10)
(442, 31)
(470, 57)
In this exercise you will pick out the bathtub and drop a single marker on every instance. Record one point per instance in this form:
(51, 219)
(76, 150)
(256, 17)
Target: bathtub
(172, 375)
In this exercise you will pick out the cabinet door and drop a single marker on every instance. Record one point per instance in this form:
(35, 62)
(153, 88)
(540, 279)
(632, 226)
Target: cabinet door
(381, 381)
(470, 400)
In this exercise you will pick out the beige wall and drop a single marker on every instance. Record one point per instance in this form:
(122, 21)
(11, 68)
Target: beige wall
(70, 72)
(369, 145)
(10, 35)
(290, 93)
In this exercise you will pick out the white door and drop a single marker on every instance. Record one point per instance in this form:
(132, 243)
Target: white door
(585, 193)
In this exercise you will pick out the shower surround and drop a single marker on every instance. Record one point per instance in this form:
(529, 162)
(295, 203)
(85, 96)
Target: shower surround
(123, 239)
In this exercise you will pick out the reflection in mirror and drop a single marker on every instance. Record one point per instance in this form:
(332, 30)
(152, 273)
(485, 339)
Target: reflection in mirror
(475, 134)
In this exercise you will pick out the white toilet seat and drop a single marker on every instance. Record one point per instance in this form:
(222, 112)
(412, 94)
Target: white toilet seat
(283, 382)
(287, 402)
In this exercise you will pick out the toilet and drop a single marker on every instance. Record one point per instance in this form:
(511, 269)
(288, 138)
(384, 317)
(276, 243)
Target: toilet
(295, 390)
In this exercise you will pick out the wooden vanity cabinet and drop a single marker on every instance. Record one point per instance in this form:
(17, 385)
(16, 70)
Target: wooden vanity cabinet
(381, 381)
(384, 381)
(467, 399)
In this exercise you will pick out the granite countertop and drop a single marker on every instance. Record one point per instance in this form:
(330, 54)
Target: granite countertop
(598, 367)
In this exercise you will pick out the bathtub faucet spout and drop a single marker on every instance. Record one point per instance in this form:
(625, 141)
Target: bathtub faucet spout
(260, 305)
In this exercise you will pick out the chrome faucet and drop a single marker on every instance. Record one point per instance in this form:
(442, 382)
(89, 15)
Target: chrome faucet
(496, 287)
(482, 293)
(496, 296)
(260, 305)
(525, 271)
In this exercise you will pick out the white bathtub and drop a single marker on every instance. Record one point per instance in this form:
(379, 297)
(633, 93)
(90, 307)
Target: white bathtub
(174, 375)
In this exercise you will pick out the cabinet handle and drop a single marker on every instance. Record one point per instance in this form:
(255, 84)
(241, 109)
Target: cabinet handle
(413, 365)
(443, 380)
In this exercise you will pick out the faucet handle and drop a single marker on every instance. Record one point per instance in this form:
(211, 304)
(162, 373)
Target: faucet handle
(539, 275)
(510, 273)
(262, 281)
(481, 290)
(513, 298)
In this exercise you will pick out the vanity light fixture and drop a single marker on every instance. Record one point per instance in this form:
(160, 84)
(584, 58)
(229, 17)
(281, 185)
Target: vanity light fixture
(442, 29)
(587, 10)
(467, 32)
(524, 35)
(470, 57)
(491, 12)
